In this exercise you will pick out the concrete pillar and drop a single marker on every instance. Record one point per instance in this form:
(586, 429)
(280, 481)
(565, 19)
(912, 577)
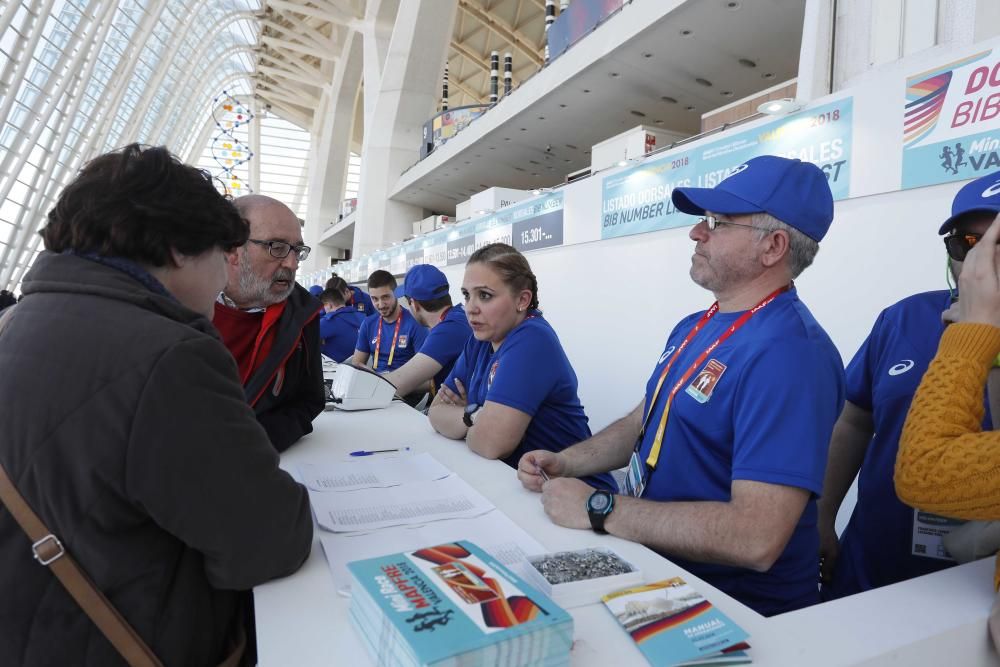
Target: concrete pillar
(380, 18)
(253, 171)
(816, 52)
(967, 21)
(403, 97)
(332, 129)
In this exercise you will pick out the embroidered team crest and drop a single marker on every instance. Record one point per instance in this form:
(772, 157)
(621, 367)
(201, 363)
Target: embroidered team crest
(704, 383)
(493, 374)
(361, 307)
(403, 340)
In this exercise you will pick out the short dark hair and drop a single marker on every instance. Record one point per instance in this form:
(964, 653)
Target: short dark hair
(334, 296)
(511, 266)
(337, 283)
(381, 278)
(139, 203)
(435, 305)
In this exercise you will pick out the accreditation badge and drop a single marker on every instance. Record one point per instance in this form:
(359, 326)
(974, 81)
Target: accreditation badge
(635, 476)
(403, 340)
(929, 531)
(704, 383)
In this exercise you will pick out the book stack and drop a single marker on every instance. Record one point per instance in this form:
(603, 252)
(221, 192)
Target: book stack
(672, 624)
(454, 605)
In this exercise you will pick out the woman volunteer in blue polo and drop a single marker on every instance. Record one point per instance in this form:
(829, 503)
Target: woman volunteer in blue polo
(512, 390)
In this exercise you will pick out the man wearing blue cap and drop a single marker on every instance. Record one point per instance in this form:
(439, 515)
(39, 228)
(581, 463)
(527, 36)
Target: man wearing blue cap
(885, 540)
(726, 453)
(426, 289)
(392, 336)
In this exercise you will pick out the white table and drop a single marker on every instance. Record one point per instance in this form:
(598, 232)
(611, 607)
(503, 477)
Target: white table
(935, 620)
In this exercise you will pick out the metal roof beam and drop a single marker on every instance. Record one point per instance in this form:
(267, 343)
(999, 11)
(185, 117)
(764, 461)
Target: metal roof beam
(275, 72)
(504, 31)
(328, 13)
(291, 46)
(299, 31)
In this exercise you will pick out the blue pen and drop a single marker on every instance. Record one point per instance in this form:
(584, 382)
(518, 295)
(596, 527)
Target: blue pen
(365, 452)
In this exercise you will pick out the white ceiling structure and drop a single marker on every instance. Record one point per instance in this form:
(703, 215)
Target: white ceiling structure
(80, 77)
(703, 55)
(299, 43)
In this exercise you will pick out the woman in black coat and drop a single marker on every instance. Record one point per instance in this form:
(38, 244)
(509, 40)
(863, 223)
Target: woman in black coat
(126, 429)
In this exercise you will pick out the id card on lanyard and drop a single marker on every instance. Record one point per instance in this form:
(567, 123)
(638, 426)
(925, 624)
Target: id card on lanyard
(395, 338)
(639, 470)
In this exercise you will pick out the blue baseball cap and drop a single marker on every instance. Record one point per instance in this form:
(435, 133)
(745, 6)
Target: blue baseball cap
(423, 282)
(793, 191)
(316, 290)
(980, 196)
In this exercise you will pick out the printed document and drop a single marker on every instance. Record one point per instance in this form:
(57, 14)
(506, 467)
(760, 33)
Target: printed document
(372, 471)
(408, 504)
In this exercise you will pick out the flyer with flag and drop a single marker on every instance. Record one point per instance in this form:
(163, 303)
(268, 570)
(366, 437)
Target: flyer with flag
(672, 624)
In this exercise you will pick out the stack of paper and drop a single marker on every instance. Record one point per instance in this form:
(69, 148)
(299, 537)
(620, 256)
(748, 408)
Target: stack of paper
(407, 504)
(369, 473)
(454, 604)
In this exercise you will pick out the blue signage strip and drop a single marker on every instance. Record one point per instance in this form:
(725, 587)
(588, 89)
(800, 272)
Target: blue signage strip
(531, 225)
(637, 200)
(543, 231)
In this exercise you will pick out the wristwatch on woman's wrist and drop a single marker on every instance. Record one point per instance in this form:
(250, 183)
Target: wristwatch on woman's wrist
(469, 416)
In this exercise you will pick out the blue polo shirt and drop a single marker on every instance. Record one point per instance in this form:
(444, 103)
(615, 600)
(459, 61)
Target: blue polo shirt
(760, 408)
(361, 302)
(411, 338)
(338, 332)
(876, 547)
(531, 373)
(445, 342)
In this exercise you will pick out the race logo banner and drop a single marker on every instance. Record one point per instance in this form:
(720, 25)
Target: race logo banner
(637, 200)
(951, 121)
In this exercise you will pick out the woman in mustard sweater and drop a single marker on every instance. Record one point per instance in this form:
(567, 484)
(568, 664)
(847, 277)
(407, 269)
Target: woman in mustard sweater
(946, 463)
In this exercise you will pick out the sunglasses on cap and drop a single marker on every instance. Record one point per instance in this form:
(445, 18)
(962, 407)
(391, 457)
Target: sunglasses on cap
(959, 245)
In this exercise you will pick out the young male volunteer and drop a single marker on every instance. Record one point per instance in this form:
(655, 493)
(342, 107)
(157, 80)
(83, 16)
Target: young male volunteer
(338, 326)
(885, 540)
(727, 452)
(354, 297)
(392, 335)
(427, 290)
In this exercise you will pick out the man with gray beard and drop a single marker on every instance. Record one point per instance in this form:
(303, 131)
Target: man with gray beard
(270, 323)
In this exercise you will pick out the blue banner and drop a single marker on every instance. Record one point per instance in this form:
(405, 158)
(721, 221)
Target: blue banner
(637, 200)
(951, 121)
(579, 19)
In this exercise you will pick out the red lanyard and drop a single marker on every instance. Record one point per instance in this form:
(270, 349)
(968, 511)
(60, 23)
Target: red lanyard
(395, 337)
(654, 452)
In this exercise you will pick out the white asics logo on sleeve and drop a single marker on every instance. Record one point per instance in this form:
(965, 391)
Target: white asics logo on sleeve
(901, 367)
(992, 190)
(666, 353)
